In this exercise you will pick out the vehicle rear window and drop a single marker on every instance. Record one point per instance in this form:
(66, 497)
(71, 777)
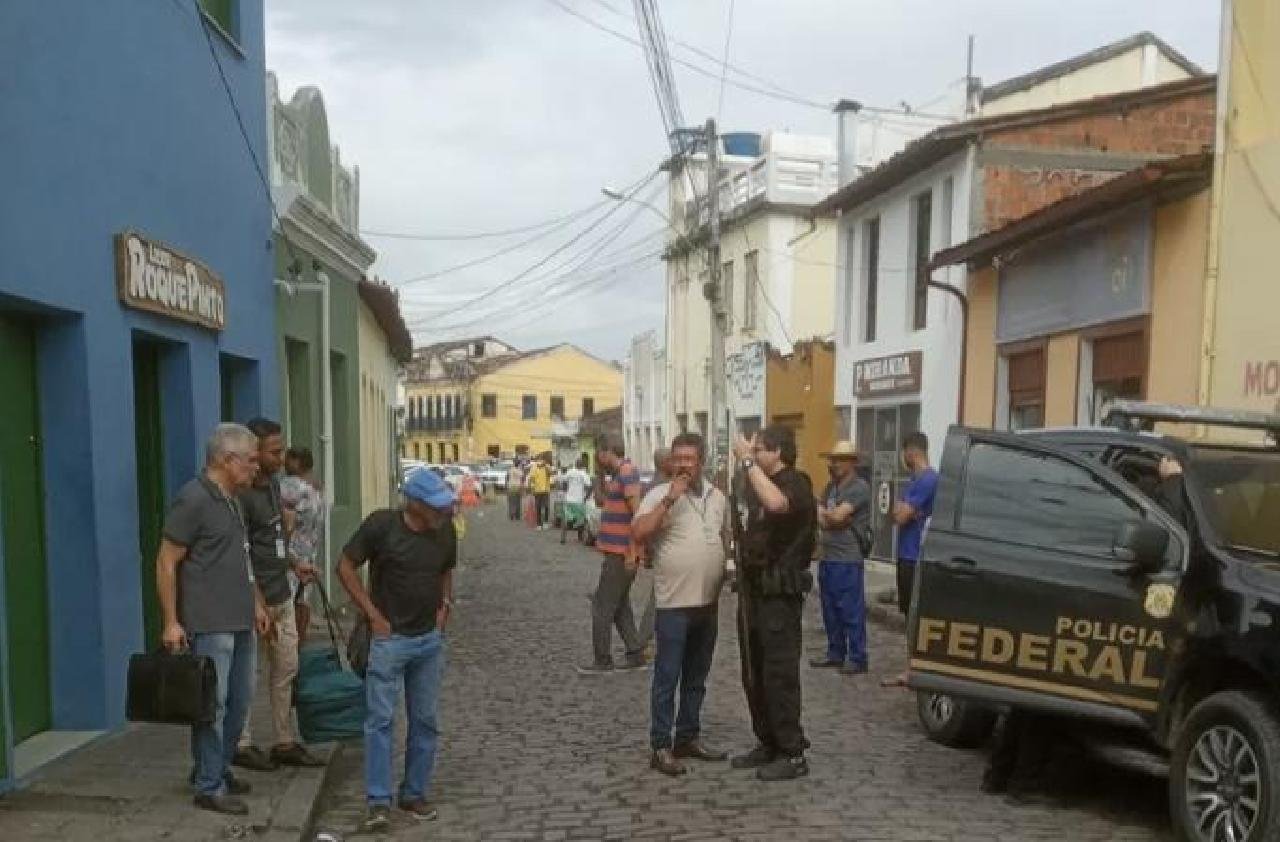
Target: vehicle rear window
(1240, 492)
(1025, 497)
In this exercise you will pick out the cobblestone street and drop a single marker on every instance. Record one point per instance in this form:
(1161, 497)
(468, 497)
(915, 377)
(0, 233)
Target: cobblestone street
(532, 750)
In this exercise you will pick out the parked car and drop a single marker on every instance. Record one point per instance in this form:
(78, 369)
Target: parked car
(1061, 574)
(453, 474)
(495, 475)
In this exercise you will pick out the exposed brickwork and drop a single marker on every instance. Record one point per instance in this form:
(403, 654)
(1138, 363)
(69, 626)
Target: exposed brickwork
(1171, 127)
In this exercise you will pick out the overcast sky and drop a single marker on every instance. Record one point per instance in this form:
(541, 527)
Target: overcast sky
(470, 117)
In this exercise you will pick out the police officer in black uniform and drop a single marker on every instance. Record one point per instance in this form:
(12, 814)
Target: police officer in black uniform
(773, 580)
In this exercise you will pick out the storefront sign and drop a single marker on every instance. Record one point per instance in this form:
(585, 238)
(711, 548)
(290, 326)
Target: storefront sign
(898, 374)
(154, 277)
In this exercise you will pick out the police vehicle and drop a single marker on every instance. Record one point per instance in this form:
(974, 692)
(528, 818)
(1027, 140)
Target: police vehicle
(1059, 575)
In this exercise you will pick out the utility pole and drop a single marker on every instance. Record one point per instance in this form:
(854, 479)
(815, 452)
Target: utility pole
(714, 293)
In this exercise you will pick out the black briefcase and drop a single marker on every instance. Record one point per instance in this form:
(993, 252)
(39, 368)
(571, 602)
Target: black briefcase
(178, 689)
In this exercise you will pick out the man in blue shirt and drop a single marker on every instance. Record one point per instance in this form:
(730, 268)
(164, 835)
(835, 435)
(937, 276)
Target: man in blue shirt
(911, 515)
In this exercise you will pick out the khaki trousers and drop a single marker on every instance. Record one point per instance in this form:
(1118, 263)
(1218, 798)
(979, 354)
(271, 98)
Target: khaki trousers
(281, 649)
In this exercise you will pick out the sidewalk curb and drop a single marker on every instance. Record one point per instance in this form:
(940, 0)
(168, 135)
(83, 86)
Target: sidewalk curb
(296, 813)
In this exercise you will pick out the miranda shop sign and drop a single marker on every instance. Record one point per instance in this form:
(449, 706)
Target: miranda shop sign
(898, 374)
(154, 277)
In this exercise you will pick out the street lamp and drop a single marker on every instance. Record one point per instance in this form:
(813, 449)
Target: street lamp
(623, 197)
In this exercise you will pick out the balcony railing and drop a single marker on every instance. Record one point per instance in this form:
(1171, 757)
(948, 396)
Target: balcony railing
(783, 179)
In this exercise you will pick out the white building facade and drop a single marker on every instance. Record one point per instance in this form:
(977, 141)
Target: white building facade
(644, 400)
(775, 265)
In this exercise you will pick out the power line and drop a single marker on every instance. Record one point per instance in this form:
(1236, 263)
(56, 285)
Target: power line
(480, 235)
(607, 255)
(770, 92)
(244, 133)
(563, 272)
(724, 65)
(546, 259)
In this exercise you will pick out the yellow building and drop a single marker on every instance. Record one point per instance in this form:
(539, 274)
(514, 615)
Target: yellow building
(1240, 366)
(800, 394)
(480, 398)
(384, 344)
(1093, 298)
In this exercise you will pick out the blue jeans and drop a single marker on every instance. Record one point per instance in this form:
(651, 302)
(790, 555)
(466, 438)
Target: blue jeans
(686, 640)
(418, 662)
(844, 611)
(235, 659)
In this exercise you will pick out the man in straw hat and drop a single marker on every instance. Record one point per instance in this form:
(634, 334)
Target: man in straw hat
(844, 520)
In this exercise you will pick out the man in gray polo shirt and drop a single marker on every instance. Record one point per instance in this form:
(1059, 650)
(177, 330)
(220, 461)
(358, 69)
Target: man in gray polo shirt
(684, 523)
(844, 517)
(210, 603)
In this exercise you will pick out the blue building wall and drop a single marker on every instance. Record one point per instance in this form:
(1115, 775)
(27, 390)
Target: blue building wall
(114, 118)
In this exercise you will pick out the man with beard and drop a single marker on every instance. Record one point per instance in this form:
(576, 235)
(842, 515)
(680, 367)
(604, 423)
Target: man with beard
(778, 546)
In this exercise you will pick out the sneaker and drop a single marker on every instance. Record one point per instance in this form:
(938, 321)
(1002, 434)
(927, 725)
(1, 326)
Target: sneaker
(422, 811)
(295, 755)
(225, 804)
(757, 757)
(235, 786)
(378, 819)
(824, 663)
(253, 758)
(784, 769)
(594, 668)
(853, 669)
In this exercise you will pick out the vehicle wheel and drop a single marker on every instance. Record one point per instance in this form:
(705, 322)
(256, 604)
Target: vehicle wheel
(958, 723)
(1225, 770)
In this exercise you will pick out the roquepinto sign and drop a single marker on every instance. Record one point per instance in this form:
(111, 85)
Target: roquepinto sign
(154, 277)
(898, 374)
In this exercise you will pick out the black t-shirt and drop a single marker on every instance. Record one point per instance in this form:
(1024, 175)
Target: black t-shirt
(264, 521)
(405, 567)
(786, 539)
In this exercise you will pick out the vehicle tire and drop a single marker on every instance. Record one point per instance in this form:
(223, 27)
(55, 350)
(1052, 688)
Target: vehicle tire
(1226, 769)
(958, 723)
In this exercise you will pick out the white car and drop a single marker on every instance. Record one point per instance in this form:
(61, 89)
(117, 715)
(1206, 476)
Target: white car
(495, 476)
(453, 474)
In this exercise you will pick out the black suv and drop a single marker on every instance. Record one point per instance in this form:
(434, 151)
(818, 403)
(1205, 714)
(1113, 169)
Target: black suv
(1062, 573)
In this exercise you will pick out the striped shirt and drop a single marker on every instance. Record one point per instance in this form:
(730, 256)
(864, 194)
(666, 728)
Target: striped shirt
(615, 519)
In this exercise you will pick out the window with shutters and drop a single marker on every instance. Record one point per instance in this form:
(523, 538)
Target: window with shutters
(750, 289)
(1119, 370)
(489, 406)
(528, 407)
(557, 406)
(921, 220)
(870, 277)
(1026, 379)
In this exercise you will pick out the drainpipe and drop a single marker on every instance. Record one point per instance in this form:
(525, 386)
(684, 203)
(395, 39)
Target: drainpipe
(925, 279)
(321, 286)
(326, 423)
(1209, 323)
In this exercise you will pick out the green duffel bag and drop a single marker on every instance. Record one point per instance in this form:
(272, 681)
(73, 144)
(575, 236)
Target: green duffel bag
(329, 697)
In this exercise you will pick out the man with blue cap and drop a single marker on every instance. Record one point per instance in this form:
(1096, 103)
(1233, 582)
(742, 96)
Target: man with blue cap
(411, 553)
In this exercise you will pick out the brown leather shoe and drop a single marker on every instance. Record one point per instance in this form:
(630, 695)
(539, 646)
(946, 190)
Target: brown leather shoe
(697, 750)
(664, 760)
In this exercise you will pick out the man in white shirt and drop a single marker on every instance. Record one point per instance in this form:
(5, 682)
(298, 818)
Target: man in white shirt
(685, 524)
(576, 483)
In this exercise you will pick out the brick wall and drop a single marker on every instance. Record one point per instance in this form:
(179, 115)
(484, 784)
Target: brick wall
(1168, 128)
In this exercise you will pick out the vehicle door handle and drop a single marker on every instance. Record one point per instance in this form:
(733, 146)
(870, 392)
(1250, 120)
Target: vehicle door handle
(960, 564)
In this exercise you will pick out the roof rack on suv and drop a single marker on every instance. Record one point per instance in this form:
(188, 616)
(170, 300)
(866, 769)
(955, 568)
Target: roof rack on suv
(1143, 415)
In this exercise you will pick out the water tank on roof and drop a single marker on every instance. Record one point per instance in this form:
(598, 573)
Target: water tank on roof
(745, 144)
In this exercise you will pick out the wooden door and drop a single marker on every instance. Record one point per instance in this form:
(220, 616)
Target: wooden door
(149, 455)
(22, 520)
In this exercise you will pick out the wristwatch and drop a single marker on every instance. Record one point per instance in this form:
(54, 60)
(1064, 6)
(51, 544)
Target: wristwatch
(747, 464)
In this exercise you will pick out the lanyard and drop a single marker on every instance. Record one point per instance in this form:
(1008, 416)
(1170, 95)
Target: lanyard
(215, 492)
